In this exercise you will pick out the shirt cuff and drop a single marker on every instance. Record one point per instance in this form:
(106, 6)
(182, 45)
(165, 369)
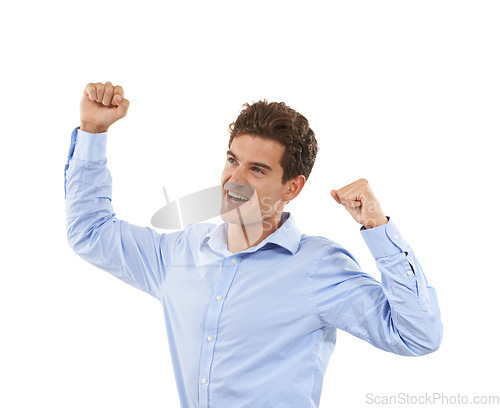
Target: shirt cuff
(384, 240)
(90, 146)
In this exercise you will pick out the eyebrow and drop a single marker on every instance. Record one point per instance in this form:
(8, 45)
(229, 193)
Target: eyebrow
(263, 165)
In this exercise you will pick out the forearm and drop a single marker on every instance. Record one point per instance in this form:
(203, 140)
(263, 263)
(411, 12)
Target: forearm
(88, 199)
(414, 309)
(88, 195)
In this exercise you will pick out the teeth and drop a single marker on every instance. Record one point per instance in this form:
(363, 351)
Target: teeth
(230, 193)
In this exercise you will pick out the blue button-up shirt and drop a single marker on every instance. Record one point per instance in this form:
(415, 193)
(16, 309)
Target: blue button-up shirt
(256, 328)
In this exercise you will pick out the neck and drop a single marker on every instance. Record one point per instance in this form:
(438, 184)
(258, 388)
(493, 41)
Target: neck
(244, 236)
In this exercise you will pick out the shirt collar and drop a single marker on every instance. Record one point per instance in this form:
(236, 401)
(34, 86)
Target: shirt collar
(286, 236)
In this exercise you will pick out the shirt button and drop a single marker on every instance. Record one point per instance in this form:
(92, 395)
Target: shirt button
(233, 261)
(409, 273)
(219, 297)
(209, 338)
(203, 381)
(396, 236)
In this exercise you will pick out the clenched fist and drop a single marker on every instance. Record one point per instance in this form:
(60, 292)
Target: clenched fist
(101, 106)
(359, 200)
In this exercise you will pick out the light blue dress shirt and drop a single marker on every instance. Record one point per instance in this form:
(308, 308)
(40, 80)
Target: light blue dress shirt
(257, 328)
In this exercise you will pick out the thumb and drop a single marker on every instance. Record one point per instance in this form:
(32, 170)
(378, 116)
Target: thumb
(335, 196)
(122, 104)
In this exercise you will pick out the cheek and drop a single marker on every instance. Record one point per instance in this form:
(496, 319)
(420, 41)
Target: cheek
(225, 172)
(267, 197)
(274, 194)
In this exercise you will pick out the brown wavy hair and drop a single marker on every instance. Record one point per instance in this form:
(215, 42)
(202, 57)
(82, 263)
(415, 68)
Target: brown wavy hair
(279, 122)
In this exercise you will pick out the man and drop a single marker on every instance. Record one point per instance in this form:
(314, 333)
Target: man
(252, 306)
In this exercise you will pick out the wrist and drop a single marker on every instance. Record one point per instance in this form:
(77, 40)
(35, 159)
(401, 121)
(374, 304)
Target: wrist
(91, 128)
(376, 222)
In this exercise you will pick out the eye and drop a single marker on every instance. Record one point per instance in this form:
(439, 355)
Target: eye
(256, 169)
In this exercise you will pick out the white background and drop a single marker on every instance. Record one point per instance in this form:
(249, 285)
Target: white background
(405, 94)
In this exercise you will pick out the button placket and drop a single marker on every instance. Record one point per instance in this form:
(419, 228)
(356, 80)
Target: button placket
(211, 329)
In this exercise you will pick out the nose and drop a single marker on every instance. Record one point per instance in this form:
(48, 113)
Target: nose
(238, 176)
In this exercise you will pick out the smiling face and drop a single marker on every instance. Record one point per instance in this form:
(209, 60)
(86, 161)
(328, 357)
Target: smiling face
(252, 171)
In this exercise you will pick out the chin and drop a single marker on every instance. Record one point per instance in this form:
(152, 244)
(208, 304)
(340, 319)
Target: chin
(245, 216)
(249, 213)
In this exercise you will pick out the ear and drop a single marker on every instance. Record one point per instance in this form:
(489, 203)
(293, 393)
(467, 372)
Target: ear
(293, 188)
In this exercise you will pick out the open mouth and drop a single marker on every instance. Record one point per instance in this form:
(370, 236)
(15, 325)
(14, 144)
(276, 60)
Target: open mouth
(234, 198)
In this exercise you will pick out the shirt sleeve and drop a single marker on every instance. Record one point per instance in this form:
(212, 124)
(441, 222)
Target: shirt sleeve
(136, 255)
(400, 314)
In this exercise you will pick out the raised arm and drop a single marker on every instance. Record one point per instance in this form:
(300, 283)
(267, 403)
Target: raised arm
(133, 254)
(401, 314)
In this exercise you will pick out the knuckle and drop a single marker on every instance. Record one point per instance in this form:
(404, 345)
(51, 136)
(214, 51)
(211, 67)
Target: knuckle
(89, 89)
